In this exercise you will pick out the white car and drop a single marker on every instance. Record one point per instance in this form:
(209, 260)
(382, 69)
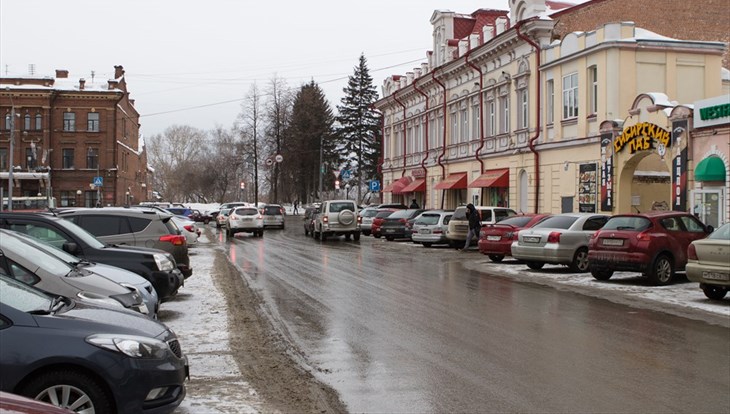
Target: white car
(245, 219)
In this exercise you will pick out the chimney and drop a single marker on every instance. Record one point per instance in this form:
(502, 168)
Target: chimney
(61, 73)
(118, 71)
(424, 67)
(409, 76)
(417, 73)
(82, 82)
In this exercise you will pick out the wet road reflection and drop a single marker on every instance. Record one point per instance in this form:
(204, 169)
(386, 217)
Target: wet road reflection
(398, 327)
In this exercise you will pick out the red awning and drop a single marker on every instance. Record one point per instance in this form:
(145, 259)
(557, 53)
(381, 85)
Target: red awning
(417, 186)
(396, 186)
(453, 181)
(492, 178)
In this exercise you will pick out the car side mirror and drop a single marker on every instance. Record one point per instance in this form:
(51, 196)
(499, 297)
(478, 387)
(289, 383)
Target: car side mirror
(71, 247)
(709, 229)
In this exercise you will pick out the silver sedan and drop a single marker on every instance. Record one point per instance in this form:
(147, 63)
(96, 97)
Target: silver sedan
(560, 239)
(430, 228)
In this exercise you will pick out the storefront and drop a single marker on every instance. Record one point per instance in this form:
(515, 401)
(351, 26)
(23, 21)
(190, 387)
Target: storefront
(454, 190)
(494, 187)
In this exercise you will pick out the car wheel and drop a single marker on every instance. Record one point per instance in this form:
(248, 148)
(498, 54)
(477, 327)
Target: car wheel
(306, 232)
(347, 236)
(389, 238)
(322, 236)
(580, 261)
(228, 232)
(67, 388)
(366, 233)
(356, 236)
(377, 236)
(496, 258)
(661, 271)
(261, 233)
(714, 292)
(535, 265)
(601, 274)
(427, 244)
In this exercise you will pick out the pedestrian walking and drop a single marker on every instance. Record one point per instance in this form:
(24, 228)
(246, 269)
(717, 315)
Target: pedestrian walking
(414, 204)
(296, 207)
(475, 225)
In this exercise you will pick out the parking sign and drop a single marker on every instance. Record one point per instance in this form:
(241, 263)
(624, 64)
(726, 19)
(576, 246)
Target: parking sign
(374, 185)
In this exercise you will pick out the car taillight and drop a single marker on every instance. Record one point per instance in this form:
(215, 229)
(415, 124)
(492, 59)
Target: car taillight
(437, 231)
(404, 221)
(359, 219)
(189, 228)
(509, 235)
(260, 217)
(554, 237)
(176, 240)
(325, 219)
(643, 236)
(232, 217)
(692, 252)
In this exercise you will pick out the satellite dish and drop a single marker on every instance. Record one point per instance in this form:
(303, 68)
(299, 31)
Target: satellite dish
(278, 158)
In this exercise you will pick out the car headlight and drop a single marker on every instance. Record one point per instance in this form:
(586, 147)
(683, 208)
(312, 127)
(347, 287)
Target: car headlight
(163, 262)
(98, 299)
(130, 345)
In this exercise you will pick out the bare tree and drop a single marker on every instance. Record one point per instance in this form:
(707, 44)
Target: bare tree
(250, 125)
(278, 113)
(173, 156)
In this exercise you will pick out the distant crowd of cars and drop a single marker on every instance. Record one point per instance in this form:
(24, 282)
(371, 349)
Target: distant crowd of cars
(656, 244)
(80, 289)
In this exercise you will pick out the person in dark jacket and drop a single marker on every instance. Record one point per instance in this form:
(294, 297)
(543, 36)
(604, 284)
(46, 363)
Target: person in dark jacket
(475, 225)
(414, 204)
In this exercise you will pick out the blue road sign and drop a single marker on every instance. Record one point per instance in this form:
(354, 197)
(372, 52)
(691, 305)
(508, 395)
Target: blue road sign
(98, 181)
(346, 174)
(374, 185)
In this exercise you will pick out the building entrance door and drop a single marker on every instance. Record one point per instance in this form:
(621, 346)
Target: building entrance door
(708, 206)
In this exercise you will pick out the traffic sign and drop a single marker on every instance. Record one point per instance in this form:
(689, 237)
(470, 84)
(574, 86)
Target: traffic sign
(374, 185)
(98, 181)
(346, 174)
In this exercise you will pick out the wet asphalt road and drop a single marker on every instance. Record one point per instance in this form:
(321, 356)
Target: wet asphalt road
(395, 327)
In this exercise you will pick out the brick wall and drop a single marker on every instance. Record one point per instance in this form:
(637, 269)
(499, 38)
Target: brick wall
(707, 20)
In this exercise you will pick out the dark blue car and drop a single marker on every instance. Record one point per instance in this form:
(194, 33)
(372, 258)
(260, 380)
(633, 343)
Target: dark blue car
(86, 358)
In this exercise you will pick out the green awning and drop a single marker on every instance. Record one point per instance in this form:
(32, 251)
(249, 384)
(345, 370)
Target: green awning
(710, 169)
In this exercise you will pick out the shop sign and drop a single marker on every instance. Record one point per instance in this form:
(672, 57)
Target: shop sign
(712, 111)
(641, 137)
(587, 188)
(418, 173)
(606, 172)
(679, 166)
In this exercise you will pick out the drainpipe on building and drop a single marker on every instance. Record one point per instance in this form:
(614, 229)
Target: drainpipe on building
(395, 96)
(443, 146)
(481, 111)
(425, 155)
(531, 142)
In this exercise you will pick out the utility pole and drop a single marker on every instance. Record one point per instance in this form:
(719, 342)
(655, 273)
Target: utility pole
(10, 156)
(321, 167)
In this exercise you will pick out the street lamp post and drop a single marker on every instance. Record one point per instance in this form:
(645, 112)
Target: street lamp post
(78, 198)
(321, 167)
(10, 156)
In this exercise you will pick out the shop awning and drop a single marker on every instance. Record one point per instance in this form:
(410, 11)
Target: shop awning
(417, 186)
(397, 185)
(710, 169)
(492, 178)
(452, 182)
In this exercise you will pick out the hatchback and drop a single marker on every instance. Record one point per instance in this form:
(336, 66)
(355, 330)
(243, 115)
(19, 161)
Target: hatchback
(222, 217)
(559, 239)
(708, 263)
(245, 219)
(495, 240)
(430, 227)
(378, 221)
(395, 225)
(273, 215)
(654, 243)
(93, 359)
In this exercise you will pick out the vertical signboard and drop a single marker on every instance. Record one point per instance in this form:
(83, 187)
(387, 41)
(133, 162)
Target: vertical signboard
(606, 172)
(679, 165)
(587, 185)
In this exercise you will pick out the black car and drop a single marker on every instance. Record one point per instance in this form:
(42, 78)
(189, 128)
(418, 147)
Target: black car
(395, 226)
(155, 265)
(84, 357)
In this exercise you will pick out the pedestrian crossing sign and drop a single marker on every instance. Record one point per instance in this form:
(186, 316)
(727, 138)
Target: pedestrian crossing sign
(98, 181)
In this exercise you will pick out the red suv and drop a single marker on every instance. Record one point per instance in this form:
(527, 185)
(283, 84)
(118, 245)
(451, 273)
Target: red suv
(495, 240)
(653, 243)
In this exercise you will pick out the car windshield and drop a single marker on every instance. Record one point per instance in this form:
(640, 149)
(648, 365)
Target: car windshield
(384, 214)
(370, 213)
(630, 223)
(401, 214)
(722, 233)
(224, 212)
(49, 248)
(459, 214)
(245, 212)
(428, 219)
(21, 296)
(557, 222)
(41, 258)
(517, 221)
(272, 210)
(337, 207)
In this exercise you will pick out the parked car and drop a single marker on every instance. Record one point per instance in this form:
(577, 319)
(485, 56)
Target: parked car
(155, 265)
(115, 274)
(378, 221)
(17, 404)
(134, 227)
(222, 217)
(94, 359)
(459, 224)
(495, 240)
(273, 215)
(308, 219)
(246, 220)
(198, 216)
(394, 225)
(367, 215)
(188, 229)
(654, 243)
(430, 227)
(396, 206)
(559, 239)
(337, 218)
(180, 211)
(23, 261)
(708, 263)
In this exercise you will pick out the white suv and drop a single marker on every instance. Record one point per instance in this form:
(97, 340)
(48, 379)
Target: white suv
(337, 218)
(245, 219)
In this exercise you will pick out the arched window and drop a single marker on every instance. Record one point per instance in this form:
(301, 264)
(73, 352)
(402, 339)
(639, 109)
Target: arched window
(38, 122)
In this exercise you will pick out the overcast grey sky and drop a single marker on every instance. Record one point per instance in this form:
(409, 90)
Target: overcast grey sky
(183, 59)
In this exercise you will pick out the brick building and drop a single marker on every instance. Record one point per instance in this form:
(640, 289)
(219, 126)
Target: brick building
(67, 132)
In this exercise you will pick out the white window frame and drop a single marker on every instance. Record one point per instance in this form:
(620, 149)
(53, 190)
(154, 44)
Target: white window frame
(464, 121)
(454, 132)
(593, 90)
(69, 121)
(550, 96)
(570, 96)
(524, 109)
(475, 119)
(504, 115)
(432, 133)
(492, 118)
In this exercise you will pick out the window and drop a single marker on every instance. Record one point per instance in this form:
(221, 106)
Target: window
(398, 144)
(93, 122)
(464, 132)
(570, 96)
(92, 158)
(432, 133)
(105, 225)
(550, 96)
(492, 119)
(410, 144)
(3, 159)
(524, 113)
(419, 136)
(453, 133)
(38, 122)
(504, 101)
(475, 119)
(593, 90)
(8, 122)
(26, 122)
(440, 130)
(69, 121)
(68, 157)
(30, 158)
(68, 199)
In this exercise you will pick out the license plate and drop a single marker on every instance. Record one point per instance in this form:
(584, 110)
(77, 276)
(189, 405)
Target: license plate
(425, 231)
(613, 242)
(715, 276)
(531, 239)
(390, 230)
(495, 238)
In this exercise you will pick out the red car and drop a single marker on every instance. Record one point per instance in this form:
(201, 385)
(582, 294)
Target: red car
(495, 240)
(653, 243)
(378, 221)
